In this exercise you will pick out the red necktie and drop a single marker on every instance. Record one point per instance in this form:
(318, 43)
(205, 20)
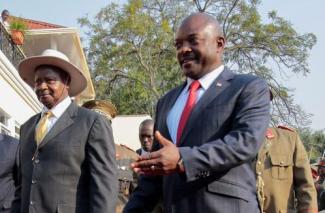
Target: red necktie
(191, 99)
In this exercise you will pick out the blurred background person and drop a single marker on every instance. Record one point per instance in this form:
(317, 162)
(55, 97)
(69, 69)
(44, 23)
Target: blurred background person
(8, 171)
(5, 18)
(320, 184)
(145, 136)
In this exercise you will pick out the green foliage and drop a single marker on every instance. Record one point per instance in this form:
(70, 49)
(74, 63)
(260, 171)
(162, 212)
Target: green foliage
(17, 24)
(314, 142)
(132, 58)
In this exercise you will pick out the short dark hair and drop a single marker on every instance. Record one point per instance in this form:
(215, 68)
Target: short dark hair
(65, 77)
(146, 122)
(4, 11)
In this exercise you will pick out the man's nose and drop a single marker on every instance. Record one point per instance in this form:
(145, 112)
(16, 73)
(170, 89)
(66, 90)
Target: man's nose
(186, 47)
(41, 85)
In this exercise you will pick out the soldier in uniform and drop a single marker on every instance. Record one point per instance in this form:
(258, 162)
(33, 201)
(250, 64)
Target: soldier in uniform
(320, 184)
(284, 178)
(124, 155)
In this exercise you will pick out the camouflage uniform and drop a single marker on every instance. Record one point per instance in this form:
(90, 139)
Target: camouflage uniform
(284, 180)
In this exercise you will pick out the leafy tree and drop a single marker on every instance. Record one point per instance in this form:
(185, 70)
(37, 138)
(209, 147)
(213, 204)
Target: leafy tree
(132, 58)
(314, 142)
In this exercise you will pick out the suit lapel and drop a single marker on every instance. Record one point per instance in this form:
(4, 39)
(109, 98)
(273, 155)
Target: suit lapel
(216, 89)
(62, 123)
(28, 142)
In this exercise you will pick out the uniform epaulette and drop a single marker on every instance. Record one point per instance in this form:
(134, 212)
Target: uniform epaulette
(269, 134)
(127, 147)
(286, 128)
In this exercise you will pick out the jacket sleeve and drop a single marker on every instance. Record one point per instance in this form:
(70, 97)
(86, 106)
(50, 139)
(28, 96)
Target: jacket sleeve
(303, 181)
(241, 143)
(102, 167)
(16, 204)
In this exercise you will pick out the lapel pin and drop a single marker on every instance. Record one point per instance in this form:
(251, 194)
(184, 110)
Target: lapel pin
(219, 84)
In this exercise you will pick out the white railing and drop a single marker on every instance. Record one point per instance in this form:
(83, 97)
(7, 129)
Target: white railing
(4, 129)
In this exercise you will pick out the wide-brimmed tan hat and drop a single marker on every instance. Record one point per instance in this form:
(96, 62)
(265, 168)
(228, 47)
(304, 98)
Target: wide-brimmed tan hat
(102, 107)
(26, 69)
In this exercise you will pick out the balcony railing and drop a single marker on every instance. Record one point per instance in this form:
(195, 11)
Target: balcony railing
(8, 48)
(4, 129)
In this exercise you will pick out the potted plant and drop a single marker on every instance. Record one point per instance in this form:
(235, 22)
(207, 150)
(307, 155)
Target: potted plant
(17, 29)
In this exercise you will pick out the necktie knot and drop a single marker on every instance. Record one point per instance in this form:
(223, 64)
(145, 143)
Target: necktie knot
(48, 114)
(195, 85)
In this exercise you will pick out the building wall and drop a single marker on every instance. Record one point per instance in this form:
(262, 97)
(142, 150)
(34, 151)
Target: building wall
(126, 130)
(17, 100)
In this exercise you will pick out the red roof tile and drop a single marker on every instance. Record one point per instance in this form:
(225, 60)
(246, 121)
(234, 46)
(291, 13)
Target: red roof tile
(33, 24)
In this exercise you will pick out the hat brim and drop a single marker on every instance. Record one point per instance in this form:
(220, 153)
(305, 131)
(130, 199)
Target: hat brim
(102, 105)
(26, 69)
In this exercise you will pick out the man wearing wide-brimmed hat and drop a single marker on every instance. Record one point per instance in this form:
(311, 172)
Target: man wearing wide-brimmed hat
(67, 154)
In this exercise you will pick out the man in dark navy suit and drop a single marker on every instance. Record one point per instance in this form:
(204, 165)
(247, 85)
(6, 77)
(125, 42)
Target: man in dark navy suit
(8, 171)
(208, 132)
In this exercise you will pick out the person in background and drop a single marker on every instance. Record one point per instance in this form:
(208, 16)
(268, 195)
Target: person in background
(8, 171)
(145, 136)
(207, 131)
(5, 18)
(284, 179)
(124, 155)
(320, 184)
(67, 153)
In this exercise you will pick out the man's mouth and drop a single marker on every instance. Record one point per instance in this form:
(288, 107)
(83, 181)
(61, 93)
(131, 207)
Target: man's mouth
(188, 59)
(43, 95)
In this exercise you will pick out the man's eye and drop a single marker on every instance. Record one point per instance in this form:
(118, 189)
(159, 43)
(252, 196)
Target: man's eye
(177, 45)
(193, 41)
(50, 81)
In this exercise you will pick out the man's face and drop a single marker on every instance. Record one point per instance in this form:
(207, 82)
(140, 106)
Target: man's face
(146, 137)
(4, 16)
(50, 87)
(197, 48)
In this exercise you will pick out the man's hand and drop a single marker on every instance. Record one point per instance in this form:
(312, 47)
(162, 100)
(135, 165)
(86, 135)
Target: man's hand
(162, 162)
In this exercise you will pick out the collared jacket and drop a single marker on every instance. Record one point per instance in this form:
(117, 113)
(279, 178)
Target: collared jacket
(284, 178)
(8, 171)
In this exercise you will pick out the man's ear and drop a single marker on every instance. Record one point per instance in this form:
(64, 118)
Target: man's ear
(221, 42)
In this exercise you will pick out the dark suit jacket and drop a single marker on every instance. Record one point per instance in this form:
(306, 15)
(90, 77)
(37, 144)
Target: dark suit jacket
(218, 146)
(74, 170)
(8, 171)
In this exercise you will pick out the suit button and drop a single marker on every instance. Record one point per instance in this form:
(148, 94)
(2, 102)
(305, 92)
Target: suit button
(36, 160)
(31, 202)
(34, 181)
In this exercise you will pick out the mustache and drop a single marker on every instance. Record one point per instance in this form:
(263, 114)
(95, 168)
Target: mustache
(188, 56)
(41, 92)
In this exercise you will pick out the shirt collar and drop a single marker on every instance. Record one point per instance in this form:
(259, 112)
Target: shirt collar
(59, 108)
(207, 79)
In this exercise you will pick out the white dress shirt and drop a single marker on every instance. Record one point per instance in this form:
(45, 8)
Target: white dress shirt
(175, 113)
(57, 111)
